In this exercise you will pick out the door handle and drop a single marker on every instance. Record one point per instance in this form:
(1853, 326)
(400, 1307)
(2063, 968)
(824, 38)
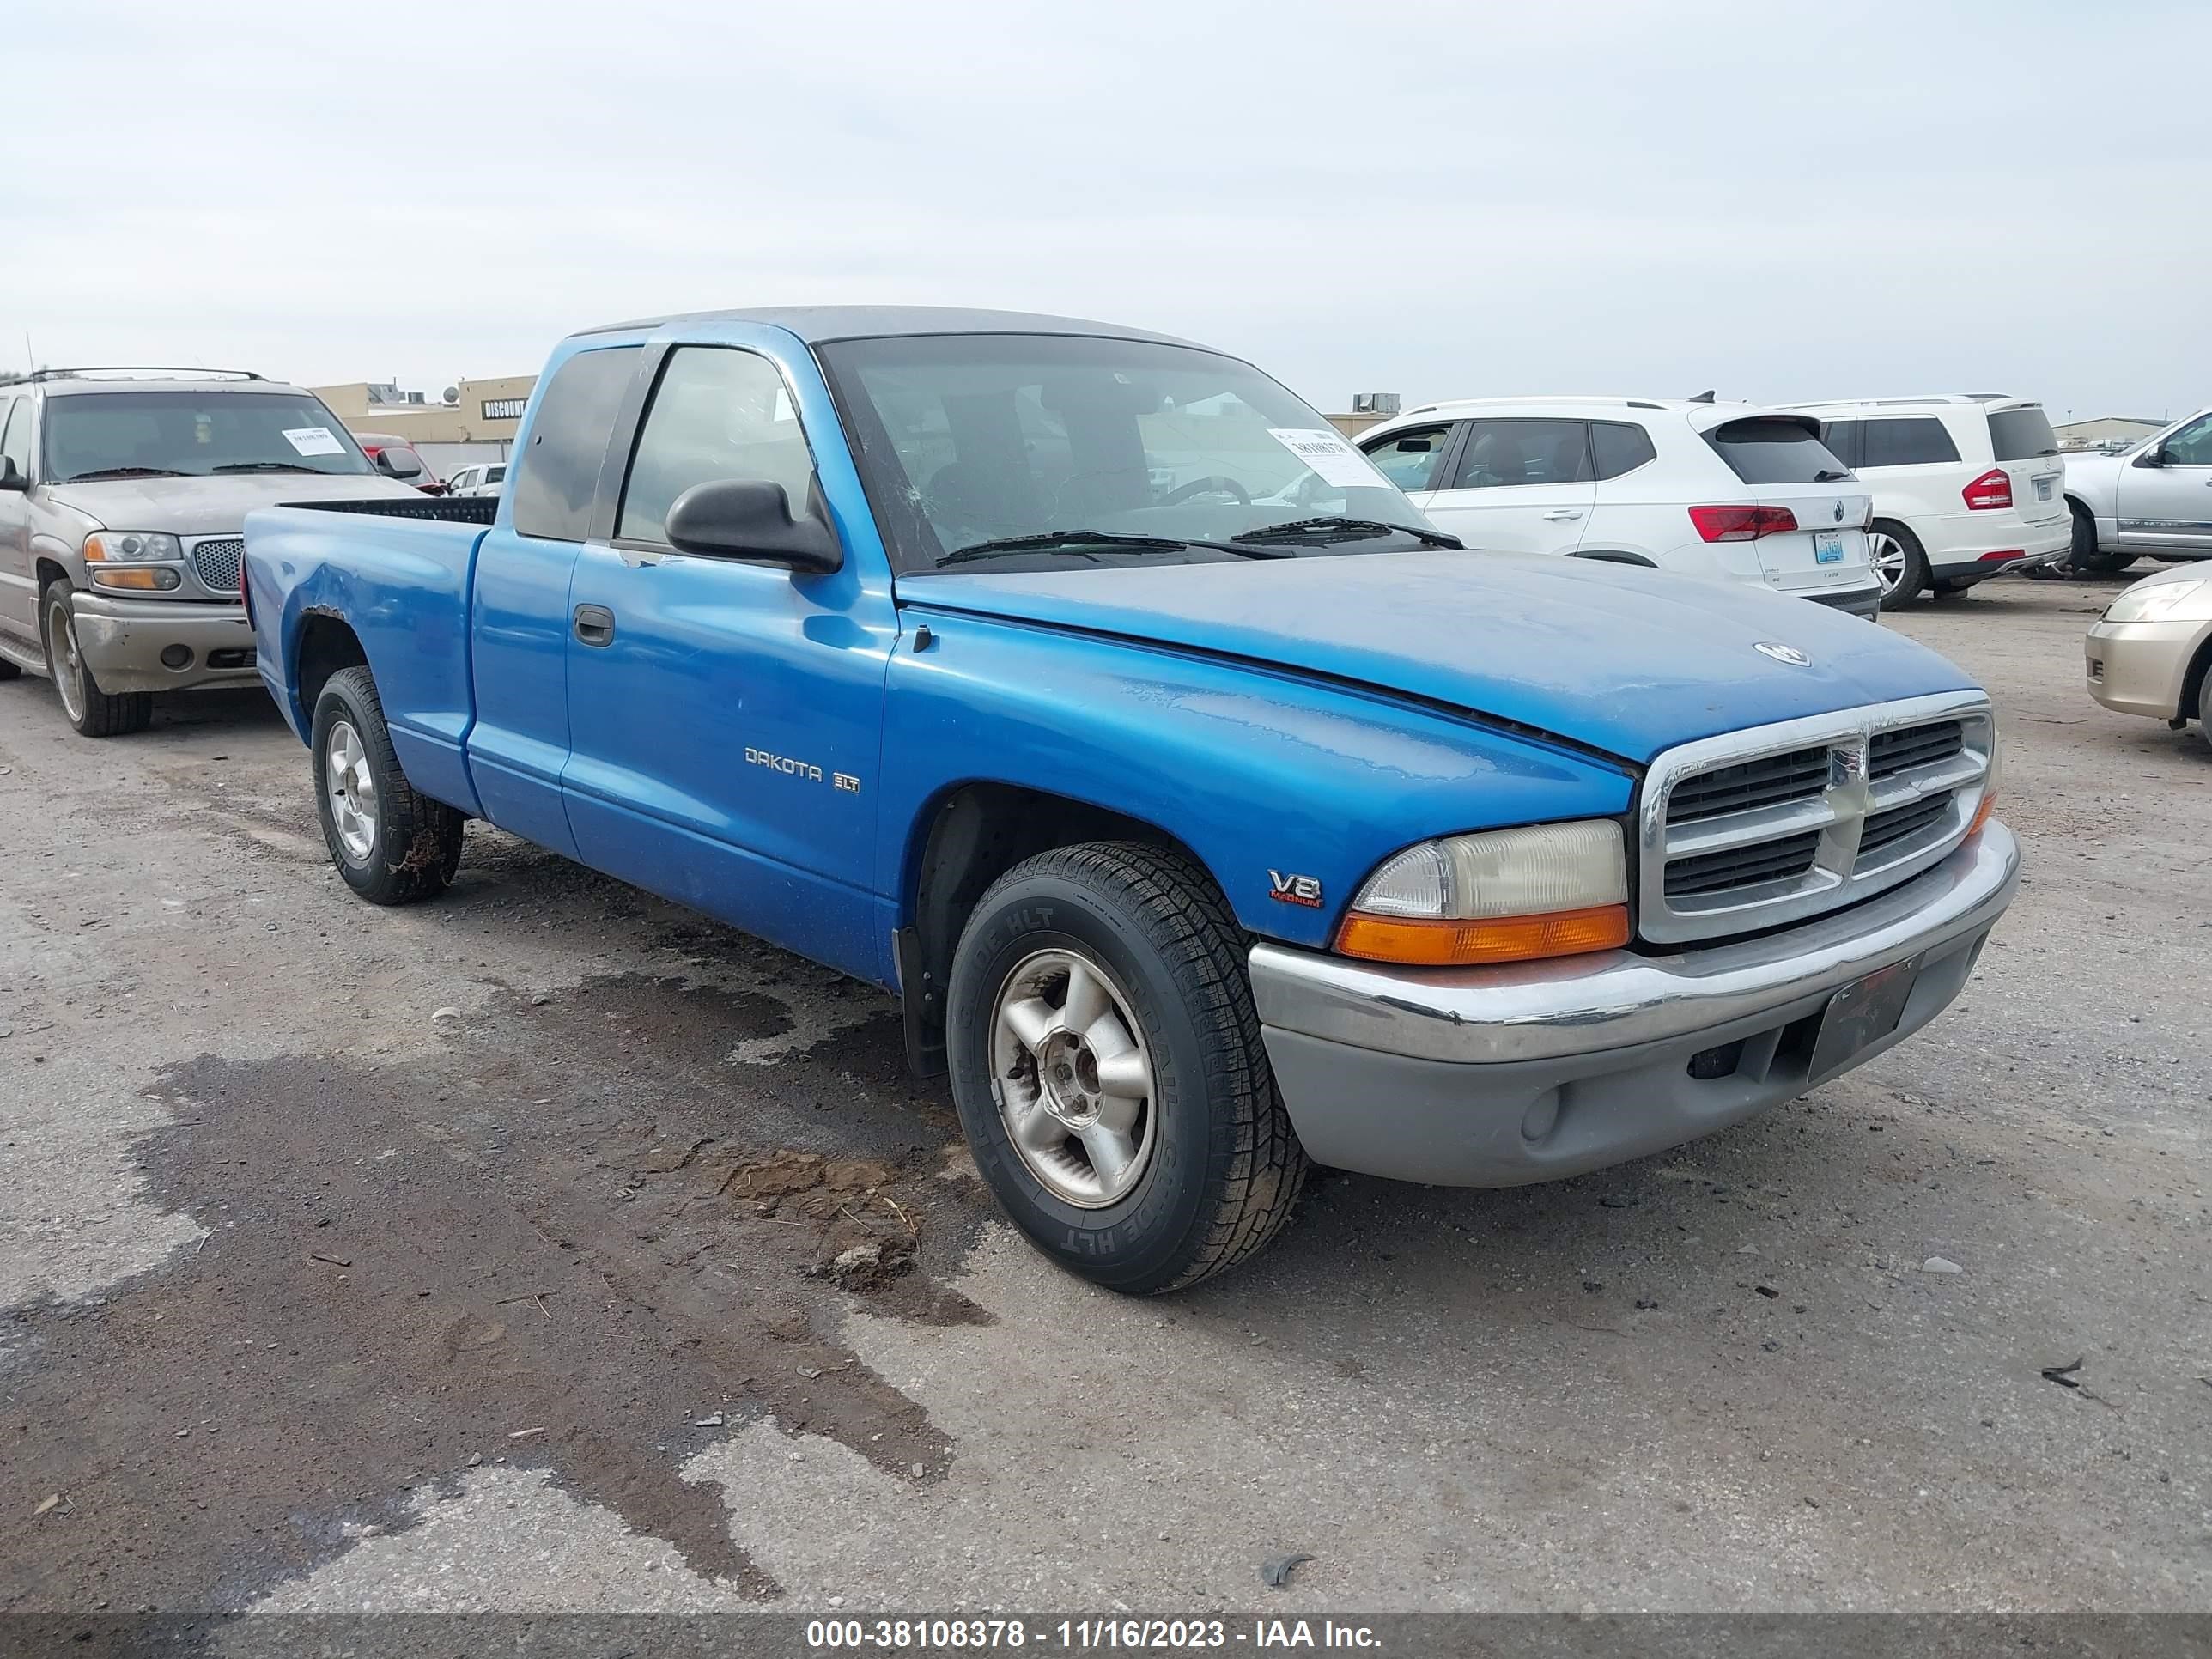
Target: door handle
(1559, 514)
(595, 624)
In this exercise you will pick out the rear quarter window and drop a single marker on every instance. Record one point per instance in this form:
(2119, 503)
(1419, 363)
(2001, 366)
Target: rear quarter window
(1765, 450)
(557, 476)
(1618, 447)
(2020, 434)
(1918, 440)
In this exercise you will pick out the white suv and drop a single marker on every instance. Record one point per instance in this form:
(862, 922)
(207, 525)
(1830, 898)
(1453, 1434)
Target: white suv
(1721, 490)
(1965, 487)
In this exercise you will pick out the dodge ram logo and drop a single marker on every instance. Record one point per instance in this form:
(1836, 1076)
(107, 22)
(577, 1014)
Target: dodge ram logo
(1789, 653)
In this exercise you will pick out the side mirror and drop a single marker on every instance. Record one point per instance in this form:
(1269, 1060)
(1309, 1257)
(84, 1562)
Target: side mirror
(395, 466)
(751, 519)
(11, 476)
(2155, 456)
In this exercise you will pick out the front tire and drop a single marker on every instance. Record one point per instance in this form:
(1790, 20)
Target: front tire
(391, 844)
(1900, 564)
(2086, 559)
(1108, 1066)
(92, 712)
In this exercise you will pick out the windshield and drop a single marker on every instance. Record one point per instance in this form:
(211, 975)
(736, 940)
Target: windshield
(973, 439)
(193, 434)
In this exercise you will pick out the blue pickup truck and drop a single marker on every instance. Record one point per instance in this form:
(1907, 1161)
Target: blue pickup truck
(1209, 811)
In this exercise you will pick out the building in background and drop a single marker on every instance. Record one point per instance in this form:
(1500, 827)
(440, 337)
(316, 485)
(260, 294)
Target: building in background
(469, 420)
(1368, 409)
(2105, 428)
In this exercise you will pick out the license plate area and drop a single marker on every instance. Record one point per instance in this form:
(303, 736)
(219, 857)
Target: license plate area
(2043, 487)
(1861, 1014)
(1827, 547)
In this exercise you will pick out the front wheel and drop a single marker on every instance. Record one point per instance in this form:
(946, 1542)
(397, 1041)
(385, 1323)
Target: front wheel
(2086, 558)
(1899, 565)
(392, 845)
(1109, 1070)
(92, 712)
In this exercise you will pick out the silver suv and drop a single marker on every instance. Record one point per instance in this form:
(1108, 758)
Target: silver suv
(122, 497)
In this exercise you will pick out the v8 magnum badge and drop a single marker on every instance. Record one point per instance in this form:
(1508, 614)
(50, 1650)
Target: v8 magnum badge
(1287, 889)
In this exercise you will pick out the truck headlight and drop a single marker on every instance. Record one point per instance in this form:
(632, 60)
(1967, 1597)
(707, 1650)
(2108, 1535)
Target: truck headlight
(1550, 890)
(131, 547)
(2156, 601)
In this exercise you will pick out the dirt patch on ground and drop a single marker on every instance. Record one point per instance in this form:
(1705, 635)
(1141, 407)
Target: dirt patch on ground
(560, 1244)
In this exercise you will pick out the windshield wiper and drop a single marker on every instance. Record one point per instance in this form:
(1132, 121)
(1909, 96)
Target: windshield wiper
(1090, 538)
(266, 466)
(1364, 527)
(128, 472)
(1826, 477)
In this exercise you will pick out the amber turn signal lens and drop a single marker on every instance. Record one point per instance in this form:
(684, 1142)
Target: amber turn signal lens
(1981, 812)
(1429, 944)
(152, 581)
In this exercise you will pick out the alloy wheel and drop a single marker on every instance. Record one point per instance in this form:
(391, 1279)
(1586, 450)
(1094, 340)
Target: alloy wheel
(1073, 1078)
(351, 787)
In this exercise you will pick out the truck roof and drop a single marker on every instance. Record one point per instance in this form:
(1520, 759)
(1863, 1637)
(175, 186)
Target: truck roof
(817, 325)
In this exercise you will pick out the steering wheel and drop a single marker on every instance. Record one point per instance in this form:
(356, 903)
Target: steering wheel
(1204, 486)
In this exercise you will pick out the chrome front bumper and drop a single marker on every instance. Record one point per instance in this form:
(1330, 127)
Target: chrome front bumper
(1492, 1076)
(123, 641)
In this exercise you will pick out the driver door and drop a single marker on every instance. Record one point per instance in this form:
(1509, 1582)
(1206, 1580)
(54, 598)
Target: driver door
(2167, 508)
(725, 717)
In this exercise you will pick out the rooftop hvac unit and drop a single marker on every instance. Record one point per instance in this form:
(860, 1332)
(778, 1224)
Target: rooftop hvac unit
(1375, 403)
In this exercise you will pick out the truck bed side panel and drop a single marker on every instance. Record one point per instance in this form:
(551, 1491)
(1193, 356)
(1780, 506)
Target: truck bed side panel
(402, 586)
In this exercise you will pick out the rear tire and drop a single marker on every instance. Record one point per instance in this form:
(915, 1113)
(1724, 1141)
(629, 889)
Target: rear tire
(92, 712)
(1900, 564)
(392, 844)
(1138, 1140)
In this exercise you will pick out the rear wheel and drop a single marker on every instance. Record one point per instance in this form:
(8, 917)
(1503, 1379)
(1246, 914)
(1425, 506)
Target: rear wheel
(1108, 1066)
(392, 845)
(94, 713)
(1899, 565)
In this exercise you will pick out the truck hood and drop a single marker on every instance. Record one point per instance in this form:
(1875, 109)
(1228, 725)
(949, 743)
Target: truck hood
(1627, 660)
(210, 506)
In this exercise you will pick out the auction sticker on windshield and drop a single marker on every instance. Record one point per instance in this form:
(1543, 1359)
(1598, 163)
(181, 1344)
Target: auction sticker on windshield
(1328, 454)
(313, 441)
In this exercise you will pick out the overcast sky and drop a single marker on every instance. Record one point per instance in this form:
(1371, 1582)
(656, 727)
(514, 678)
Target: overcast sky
(1780, 200)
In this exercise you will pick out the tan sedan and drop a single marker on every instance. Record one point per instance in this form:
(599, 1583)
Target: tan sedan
(2150, 652)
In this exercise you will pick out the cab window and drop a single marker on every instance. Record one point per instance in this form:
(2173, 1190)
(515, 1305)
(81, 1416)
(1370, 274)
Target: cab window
(718, 413)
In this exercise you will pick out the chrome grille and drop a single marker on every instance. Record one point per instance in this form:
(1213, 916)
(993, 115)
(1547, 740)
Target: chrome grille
(1761, 828)
(217, 560)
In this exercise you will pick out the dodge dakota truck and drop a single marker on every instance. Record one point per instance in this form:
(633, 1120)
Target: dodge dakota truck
(1209, 811)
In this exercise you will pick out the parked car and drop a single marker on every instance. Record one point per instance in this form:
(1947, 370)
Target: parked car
(1965, 487)
(2153, 497)
(122, 494)
(1722, 490)
(2150, 653)
(397, 459)
(477, 479)
(1206, 823)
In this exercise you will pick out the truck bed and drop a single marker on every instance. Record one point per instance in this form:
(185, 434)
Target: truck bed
(386, 579)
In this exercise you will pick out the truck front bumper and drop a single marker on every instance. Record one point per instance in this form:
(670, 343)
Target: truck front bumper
(1495, 1076)
(124, 643)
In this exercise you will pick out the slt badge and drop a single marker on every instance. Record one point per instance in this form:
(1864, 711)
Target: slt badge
(1789, 653)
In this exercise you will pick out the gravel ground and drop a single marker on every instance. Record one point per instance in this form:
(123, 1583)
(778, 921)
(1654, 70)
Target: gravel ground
(478, 1256)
